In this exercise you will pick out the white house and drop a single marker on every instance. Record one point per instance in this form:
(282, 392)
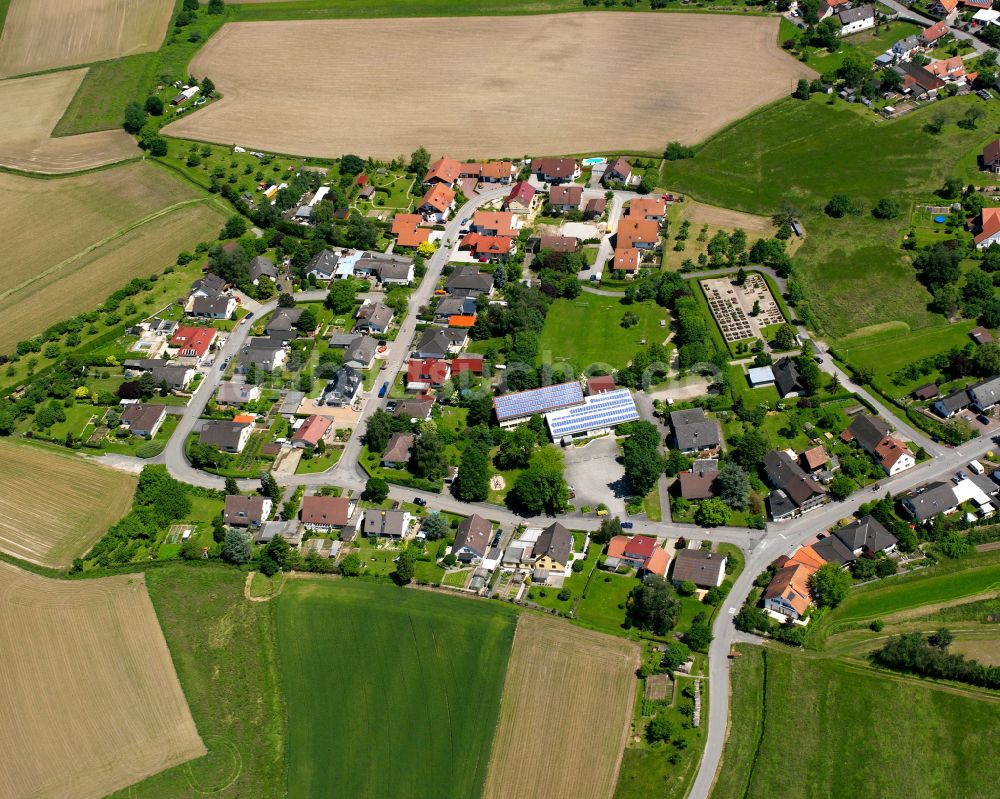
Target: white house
(857, 19)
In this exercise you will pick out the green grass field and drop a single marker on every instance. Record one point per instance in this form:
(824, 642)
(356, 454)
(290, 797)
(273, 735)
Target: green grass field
(588, 330)
(831, 729)
(390, 692)
(852, 268)
(109, 86)
(871, 43)
(224, 651)
(943, 583)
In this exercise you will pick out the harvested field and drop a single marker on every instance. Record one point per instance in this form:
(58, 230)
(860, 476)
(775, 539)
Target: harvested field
(115, 224)
(35, 528)
(565, 713)
(40, 34)
(30, 109)
(715, 217)
(985, 650)
(502, 85)
(89, 702)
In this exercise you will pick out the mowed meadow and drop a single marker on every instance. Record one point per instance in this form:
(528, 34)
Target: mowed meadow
(55, 506)
(89, 700)
(40, 34)
(113, 225)
(538, 84)
(390, 692)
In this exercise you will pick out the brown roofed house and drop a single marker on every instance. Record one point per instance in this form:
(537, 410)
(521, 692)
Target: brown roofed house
(599, 384)
(698, 483)
(326, 513)
(991, 157)
(704, 569)
(397, 451)
(815, 458)
(618, 171)
(636, 232)
(240, 511)
(553, 548)
(927, 391)
(143, 420)
(981, 335)
(565, 198)
(444, 170)
(472, 539)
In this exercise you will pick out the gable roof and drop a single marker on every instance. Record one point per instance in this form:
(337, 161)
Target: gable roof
(521, 192)
(439, 197)
(406, 228)
(986, 392)
(414, 409)
(694, 430)
(626, 259)
(556, 542)
(222, 434)
(332, 511)
(473, 532)
(633, 230)
(193, 340)
(469, 278)
(791, 583)
(815, 457)
(559, 168)
(398, 448)
(833, 550)
(867, 534)
(139, 416)
(786, 376)
(868, 431)
(502, 222)
(889, 450)
(438, 341)
(447, 170)
(698, 483)
(361, 350)
(312, 430)
(647, 206)
(786, 474)
(700, 567)
(565, 195)
(935, 31)
(620, 166)
(243, 510)
(856, 14)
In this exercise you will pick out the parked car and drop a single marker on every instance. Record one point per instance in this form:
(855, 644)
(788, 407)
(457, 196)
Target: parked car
(249, 316)
(627, 525)
(420, 501)
(817, 358)
(384, 390)
(497, 537)
(983, 419)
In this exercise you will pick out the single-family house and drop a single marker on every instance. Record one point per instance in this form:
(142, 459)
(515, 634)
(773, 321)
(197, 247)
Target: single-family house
(952, 69)
(990, 160)
(552, 549)
(833, 550)
(373, 317)
(472, 539)
(788, 592)
(311, 431)
(929, 36)
(448, 307)
(426, 373)
(418, 410)
(386, 523)
(444, 171)
(652, 209)
(360, 353)
(704, 569)
(193, 344)
(985, 394)
(211, 306)
(471, 363)
(522, 198)
(326, 514)
(488, 248)
(468, 281)
(640, 552)
(283, 320)
(406, 228)
(786, 377)
(343, 389)
(263, 353)
(641, 234)
(693, 431)
(324, 265)
(496, 223)
(815, 459)
(618, 171)
(228, 436)
(164, 373)
(872, 435)
(143, 420)
(926, 503)
(981, 335)
(799, 492)
(389, 269)
(953, 403)
(905, 49)
(490, 171)
(627, 260)
(894, 456)
(262, 266)
(828, 8)
(698, 483)
(240, 511)
(230, 393)
(440, 342)
(565, 198)
(866, 536)
(397, 451)
(854, 20)
(561, 244)
(556, 170)
(437, 204)
(208, 285)
(594, 208)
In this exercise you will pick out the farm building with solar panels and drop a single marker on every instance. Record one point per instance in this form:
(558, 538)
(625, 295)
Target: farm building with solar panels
(519, 407)
(597, 414)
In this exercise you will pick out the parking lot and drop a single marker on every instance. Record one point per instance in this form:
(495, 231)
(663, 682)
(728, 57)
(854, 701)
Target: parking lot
(596, 475)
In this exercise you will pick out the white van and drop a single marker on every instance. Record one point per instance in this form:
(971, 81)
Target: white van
(976, 467)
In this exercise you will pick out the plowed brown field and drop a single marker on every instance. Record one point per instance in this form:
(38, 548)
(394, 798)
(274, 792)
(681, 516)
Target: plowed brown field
(565, 713)
(482, 86)
(42, 34)
(89, 700)
(54, 507)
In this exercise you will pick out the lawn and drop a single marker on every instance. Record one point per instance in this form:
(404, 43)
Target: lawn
(223, 648)
(871, 43)
(319, 463)
(920, 742)
(852, 269)
(421, 674)
(746, 685)
(603, 608)
(107, 88)
(588, 330)
(943, 583)
(752, 397)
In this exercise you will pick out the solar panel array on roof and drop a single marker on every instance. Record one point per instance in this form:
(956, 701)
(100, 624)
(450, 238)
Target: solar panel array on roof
(537, 400)
(599, 411)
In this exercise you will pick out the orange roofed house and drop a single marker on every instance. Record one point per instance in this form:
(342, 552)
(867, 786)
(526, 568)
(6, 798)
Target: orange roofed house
(193, 344)
(653, 208)
(626, 259)
(640, 552)
(438, 203)
(989, 228)
(788, 592)
(443, 171)
(643, 234)
(406, 228)
(496, 223)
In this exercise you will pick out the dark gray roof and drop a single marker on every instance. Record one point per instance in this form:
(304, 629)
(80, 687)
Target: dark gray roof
(222, 434)
(211, 305)
(868, 431)
(955, 401)
(384, 522)
(987, 392)
(342, 387)
(361, 350)
(172, 374)
(780, 504)
(856, 14)
(414, 409)
(261, 267)
(210, 284)
(468, 280)
(342, 340)
(936, 498)
(435, 341)
(786, 376)
(833, 550)
(324, 263)
(556, 542)
(284, 319)
(865, 533)
(474, 532)
(452, 306)
(784, 473)
(375, 315)
(694, 430)
(700, 567)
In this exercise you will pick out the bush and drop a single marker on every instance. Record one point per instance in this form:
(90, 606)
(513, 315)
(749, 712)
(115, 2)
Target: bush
(877, 626)
(563, 595)
(887, 208)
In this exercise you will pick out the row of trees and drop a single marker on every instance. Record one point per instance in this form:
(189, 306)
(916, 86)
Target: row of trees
(929, 657)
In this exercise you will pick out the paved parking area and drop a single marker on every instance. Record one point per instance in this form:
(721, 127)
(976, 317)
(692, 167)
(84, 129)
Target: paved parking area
(594, 471)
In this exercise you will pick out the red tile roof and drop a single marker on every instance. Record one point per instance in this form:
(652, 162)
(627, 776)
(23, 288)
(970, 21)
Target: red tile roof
(427, 370)
(462, 320)
(406, 228)
(935, 31)
(647, 206)
(632, 231)
(439, 197)
(312, 430)
(193, 341)
(521, 192)
(990, 224)
(467, 364)
(499, 223)
(626, 259)
(446, 170)
(600, 384)
(326, 511)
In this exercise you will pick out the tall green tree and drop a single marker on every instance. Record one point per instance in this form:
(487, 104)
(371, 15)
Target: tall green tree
(474, 475)
(829, 585)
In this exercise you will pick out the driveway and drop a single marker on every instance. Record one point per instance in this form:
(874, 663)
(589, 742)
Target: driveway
(594, 471)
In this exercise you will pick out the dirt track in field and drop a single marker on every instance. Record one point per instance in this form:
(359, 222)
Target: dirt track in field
(51, 529)
(30, 109)
(565, 713)
(42, 34)
(487, 86)
(89, 700)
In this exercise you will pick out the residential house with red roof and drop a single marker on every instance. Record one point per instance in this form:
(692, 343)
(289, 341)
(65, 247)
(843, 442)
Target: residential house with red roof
(327, 514)
(947, 68)
(490, 171)
(989, 228)
(522, 198)
(788, 592)
(565, 198)
(193, 344)
(653, 208)
(425, 373)
(466, 363)
(443, 171)
(437, 204)
(496, 223)
(944, 8)
(618, 171)
(406, 228)
(556, 170)
(640, 552)
(626, 259)
(930, 35)
(311, 431)
(642, 234)
(599, 384)
(488, 248)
